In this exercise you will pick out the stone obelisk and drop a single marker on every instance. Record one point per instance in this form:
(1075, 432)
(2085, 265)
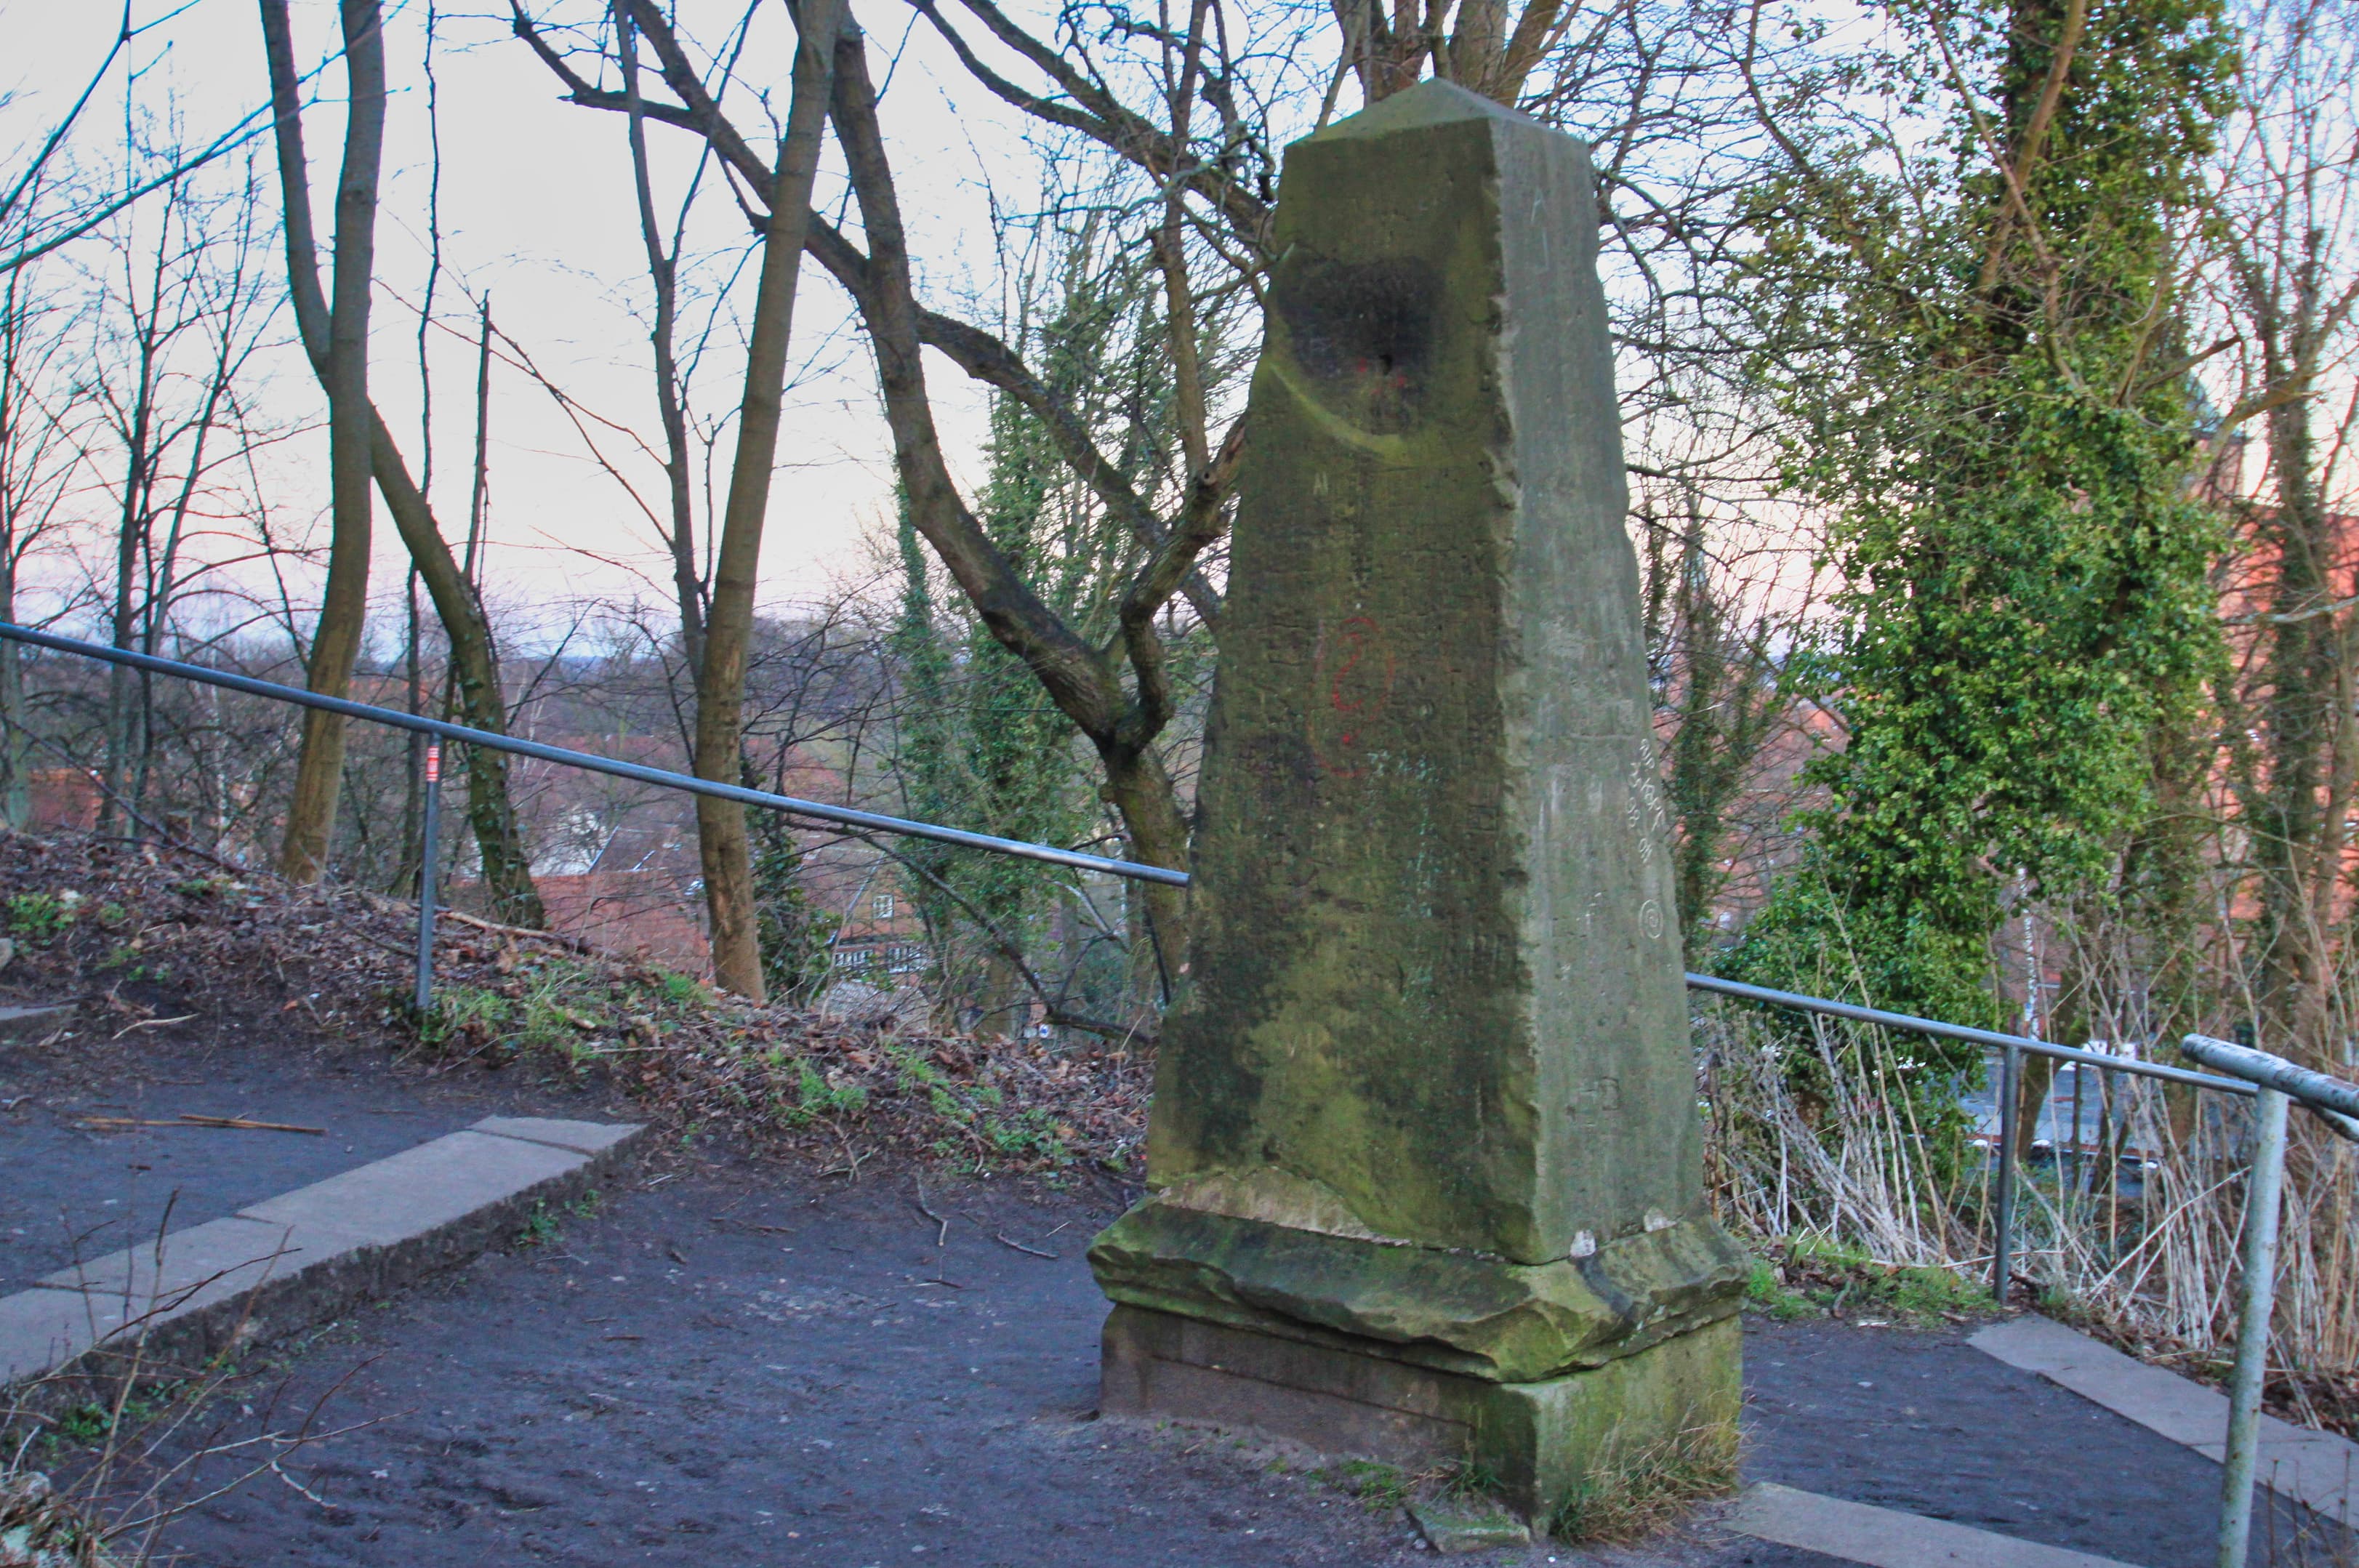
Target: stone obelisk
(1424, 1152)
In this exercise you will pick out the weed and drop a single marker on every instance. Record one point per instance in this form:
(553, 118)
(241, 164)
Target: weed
(466, 1015)
(1624, 1498)
(38, 916)
(1470, 1479)
(1027, 1133)
(1032, 1133)
(1929, 1292)
(95, 1422)
(546, 1018)
(815, 1097)
(84, 1423)
(546, 1013)
(540, 1228)
(912, 1073)
(124, 957)
(585, 1207)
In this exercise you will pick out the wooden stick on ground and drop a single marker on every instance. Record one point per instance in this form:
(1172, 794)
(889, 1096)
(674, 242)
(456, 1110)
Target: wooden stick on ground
(191, 1118)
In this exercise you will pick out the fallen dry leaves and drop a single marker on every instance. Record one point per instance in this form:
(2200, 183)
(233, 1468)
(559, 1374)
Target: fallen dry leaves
(152, 937)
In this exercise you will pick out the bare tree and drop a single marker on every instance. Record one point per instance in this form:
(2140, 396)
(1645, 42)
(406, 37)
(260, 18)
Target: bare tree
(31, 229)
(1118, 693)
(2284, 301)
(475, 667)
(343, 605)
(38, 461)
(182, 312)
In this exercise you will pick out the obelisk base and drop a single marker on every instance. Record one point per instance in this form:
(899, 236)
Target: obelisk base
(1539, 1444)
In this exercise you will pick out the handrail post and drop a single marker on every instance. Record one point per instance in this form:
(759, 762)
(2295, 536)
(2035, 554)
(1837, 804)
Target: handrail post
(429, 825)
(2256, 1296)
(2002, 1250)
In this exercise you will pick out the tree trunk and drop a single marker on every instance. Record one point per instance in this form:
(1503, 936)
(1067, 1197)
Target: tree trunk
(722, 840)
(15, 757)
(1088, 683)
(2300, 728)
(507, 871)
(336, 644)
(1081, 679)
(123, 705)
(1142, 793)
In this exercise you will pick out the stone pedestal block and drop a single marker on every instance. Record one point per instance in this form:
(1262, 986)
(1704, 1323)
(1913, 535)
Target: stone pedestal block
(1424, 1119)
(1539, 1441)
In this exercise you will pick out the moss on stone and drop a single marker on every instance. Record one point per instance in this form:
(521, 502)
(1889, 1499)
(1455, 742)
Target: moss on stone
(1484, 1317)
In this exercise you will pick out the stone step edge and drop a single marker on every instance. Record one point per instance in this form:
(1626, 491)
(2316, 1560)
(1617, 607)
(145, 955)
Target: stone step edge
(2319, 1469)
(314, 1258)
(1887, 1538)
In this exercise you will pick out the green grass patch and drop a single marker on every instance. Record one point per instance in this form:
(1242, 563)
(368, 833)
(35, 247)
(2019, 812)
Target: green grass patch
(1766, 1293)
(1380, 1487)
(1808, 1275)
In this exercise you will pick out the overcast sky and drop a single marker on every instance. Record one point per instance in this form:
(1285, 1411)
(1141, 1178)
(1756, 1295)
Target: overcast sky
(535, 203)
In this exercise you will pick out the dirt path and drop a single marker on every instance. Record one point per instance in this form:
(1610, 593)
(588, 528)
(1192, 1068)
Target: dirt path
(729, 1362)
(726, 1370)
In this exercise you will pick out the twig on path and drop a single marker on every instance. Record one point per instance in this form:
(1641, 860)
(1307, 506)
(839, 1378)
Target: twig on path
(1032, 1251)
(299, 1486)
(190, 1118)
(554, 939)
(247, 1124)
(942, 1235)
(851, 1157)
(153, 1023)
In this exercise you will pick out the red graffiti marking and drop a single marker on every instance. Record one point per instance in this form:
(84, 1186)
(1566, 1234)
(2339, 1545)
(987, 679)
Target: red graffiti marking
(1353, 671)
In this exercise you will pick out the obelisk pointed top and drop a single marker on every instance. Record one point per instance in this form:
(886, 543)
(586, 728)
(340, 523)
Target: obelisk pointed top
(1432, 103)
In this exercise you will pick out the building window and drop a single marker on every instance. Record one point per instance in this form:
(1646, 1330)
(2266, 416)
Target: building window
(883, 905)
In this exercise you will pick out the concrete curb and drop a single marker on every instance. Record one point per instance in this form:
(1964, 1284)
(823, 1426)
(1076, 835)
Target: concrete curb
(165, 1308)
(1887, 1538)
(2313, 1467)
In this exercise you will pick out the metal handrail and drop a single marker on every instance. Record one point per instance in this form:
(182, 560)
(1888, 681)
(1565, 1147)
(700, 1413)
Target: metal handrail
(1858, 1014)
(819, 811)
(2279, 1083)
(2315, 1089)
